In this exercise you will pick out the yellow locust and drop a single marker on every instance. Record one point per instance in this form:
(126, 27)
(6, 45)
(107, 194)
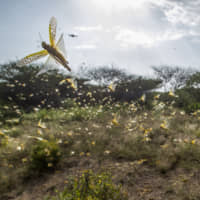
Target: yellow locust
(54, 50)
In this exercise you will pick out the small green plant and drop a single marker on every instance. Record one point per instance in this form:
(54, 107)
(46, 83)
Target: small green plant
(44, 155)
(193, 107)
(82, 113)
(69, 103)
(3, 140)
(91, 186)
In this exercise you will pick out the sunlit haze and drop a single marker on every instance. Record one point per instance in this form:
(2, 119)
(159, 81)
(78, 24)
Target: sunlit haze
(132, 35)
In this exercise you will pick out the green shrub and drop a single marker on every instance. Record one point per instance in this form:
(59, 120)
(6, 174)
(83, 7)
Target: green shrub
(69, 103)
(188, 99)
(91, 187)
(193, 107)
(44, 155)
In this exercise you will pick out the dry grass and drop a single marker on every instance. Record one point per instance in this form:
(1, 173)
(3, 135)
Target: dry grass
(153, 154)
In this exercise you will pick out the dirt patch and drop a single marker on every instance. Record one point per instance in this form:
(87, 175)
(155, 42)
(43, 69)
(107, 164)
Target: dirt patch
(140, 181)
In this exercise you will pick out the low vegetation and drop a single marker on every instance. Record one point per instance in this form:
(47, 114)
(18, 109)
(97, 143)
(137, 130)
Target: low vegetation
(91, 186)
(145, 148)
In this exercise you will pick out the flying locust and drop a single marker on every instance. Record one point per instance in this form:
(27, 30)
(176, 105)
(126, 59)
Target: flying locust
(56, 51)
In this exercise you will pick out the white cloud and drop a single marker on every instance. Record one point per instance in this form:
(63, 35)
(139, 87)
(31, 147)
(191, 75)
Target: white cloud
(89, 28)
(180, 11)
(194, 33)
(85, 46)
(128, 37)
(119, 5)
(108, 5)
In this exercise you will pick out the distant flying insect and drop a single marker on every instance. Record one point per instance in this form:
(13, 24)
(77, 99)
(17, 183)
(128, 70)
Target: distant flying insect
(112, 87)
(72, 35)
(115, 121)
(71, 81)
(143, 98)
(54, 50)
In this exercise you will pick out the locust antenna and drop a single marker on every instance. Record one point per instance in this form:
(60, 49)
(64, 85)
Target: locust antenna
(39, 41)
(40, 36)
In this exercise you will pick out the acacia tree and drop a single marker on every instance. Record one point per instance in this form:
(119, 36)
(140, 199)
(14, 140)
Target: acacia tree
(105, 75)
(172, 77)
(194, 81)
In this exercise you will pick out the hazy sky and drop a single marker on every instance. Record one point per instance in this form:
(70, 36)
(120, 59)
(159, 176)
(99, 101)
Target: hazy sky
(131, 34)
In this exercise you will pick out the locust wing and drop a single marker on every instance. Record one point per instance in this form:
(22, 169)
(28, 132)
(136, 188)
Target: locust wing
(48, 65)
(60, 46)
(32, 57)
(52, 31)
